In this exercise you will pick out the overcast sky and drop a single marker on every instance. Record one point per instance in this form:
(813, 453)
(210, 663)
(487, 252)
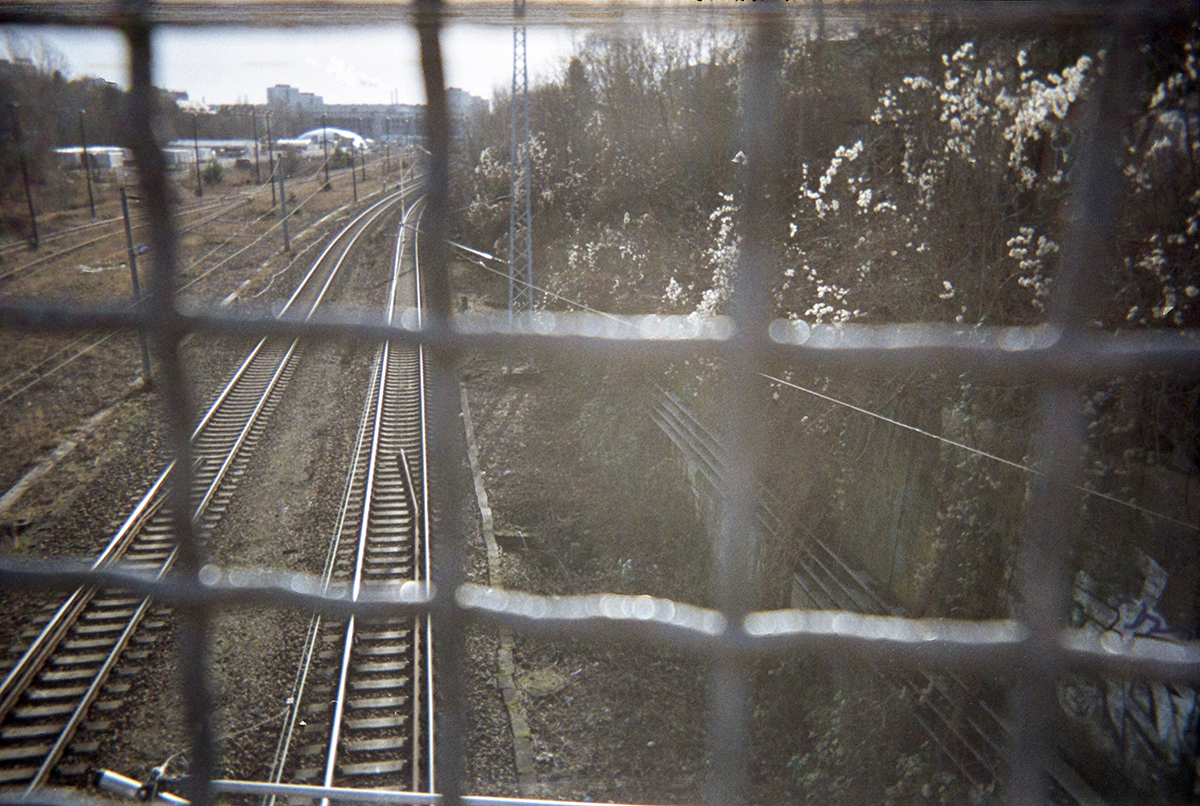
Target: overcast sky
(343, 65)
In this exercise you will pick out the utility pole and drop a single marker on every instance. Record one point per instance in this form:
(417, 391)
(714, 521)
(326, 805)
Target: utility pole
(287, 246)
(254, 122)
(387, 145)
(325, 148)
(271, 158)
(87, 164)
(14, 107)
(133, 272)
(387, 151)
(520, 231)
(362, 152)
(353, 180)
(196, 149)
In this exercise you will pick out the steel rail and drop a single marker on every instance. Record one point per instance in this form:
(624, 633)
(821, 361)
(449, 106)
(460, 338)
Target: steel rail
(17, 377)
(343, 526)
(144, 542)
(277, 224)
(977, 763)
(350, 235)
(360, 558)
(68, 731)
(21, 375)
(383, 390)
(820, 583)
(286, 735)
(825, 588)
(377, 671)
(27, 665)
(426, 526)
(153, 547)
(373, 211)
(151, 520)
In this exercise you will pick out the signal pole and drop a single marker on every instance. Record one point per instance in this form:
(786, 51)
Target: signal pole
(283, 213)
(325, 149)
(362, 151)
(520, 231)
(270, 157)
(137, 289)
(196, 150)
(87, 165)
(254, 122)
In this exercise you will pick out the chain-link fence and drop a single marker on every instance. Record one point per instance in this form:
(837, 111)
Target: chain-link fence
(1057, 356)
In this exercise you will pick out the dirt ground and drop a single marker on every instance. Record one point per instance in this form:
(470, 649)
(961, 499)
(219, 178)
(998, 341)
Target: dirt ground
(609, 721)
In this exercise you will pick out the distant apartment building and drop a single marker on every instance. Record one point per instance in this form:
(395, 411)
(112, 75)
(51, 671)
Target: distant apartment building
(462, 105)
(377, 121)
(299, 111)
(286, 98)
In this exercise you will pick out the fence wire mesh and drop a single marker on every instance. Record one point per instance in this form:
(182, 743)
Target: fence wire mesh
(1056, 356)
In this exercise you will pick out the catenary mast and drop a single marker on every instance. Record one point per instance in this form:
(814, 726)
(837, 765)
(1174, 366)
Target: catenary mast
(520, 232)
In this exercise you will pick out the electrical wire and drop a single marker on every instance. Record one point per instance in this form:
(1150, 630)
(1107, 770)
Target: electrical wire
(161, 770)
(978, 452)
(60, 366)
(544, 291)
(883, 418)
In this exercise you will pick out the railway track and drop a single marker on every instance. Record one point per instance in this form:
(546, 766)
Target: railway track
(17, 382)
(75, 239)
(92, 227)
(364, 689)
(963, 718)
(70, 668)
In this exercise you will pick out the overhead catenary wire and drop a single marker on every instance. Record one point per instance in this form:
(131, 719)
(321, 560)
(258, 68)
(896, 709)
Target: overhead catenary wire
(257, 240)
(9, 383)
(271, 229)
(202, 206)
(23, 269)
(252, 243)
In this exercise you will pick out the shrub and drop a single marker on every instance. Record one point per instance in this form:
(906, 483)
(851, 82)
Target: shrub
(213, 173)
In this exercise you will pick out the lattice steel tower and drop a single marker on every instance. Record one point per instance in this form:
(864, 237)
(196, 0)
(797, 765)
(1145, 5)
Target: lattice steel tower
(520, 230)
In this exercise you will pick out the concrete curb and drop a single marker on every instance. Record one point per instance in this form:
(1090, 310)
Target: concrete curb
(506, 669)
(47, 462)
